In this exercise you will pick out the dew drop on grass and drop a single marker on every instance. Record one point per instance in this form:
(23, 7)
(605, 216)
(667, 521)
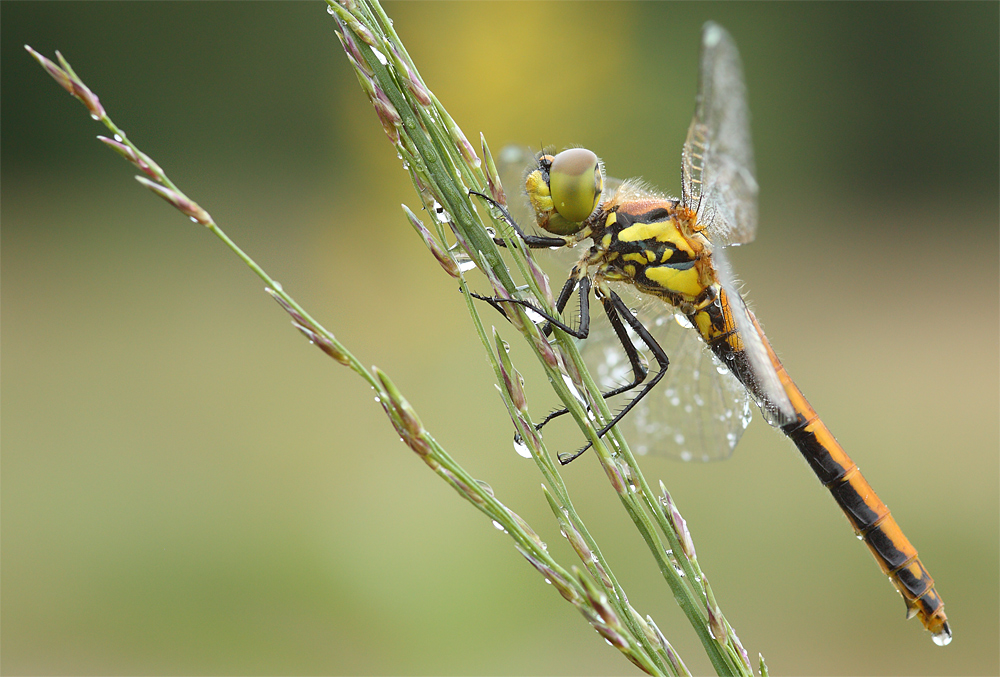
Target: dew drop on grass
(521, 448)
(573, 391)
(534, 316)
(379, 55)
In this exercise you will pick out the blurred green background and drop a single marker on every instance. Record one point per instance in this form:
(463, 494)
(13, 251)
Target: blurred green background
(188, 487)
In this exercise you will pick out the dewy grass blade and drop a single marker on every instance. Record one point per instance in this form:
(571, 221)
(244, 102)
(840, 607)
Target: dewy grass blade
(444, 167)
(446, 164)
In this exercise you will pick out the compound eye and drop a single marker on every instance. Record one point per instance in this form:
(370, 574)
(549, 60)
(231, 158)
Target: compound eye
(575, 183)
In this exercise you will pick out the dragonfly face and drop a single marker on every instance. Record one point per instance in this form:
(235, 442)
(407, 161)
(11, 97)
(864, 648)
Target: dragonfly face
(565, 190)
(671, 251)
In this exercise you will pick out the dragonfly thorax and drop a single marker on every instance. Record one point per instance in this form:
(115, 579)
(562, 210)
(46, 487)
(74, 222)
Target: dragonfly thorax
(649, 243)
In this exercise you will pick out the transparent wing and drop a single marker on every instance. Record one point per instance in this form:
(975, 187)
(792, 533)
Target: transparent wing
(698, 411)
(763, 382)
(717, 167)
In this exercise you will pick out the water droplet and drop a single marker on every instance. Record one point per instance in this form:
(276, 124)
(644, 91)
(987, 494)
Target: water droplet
(548, 581)
(572, 389)
(378, 399)
(491, 231)
(380, 56)
(277, 286)
(683, 321)
(534, 317)
(942, 637)
(118, 138)
(521, 448)
(499, 526)
(95, 116)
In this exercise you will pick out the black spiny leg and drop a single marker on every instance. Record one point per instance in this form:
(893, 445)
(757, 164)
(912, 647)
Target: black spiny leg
(616, 310)
(639, 370)
(533, 241)
(581, 332)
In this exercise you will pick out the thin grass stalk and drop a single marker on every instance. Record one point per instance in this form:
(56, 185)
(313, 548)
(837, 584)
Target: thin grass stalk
(443, 164)
(571, 585)
(647, 509)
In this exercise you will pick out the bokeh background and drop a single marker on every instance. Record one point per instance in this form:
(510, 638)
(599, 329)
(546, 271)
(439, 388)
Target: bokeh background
(188, 487)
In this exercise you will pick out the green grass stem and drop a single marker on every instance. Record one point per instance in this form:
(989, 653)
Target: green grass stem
(444, 167)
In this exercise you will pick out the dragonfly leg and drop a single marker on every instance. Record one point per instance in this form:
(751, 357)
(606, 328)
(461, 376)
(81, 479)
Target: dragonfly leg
(617, 311)
(533, 241)
(639, 370)
(580, 332)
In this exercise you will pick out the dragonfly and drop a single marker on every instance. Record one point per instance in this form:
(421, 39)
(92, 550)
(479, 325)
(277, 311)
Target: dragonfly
(670, 252)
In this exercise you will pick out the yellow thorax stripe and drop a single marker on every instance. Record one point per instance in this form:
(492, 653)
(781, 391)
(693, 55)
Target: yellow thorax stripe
(661, 231)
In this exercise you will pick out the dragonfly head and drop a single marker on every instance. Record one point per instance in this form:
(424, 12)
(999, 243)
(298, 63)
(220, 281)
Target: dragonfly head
(565, 189)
